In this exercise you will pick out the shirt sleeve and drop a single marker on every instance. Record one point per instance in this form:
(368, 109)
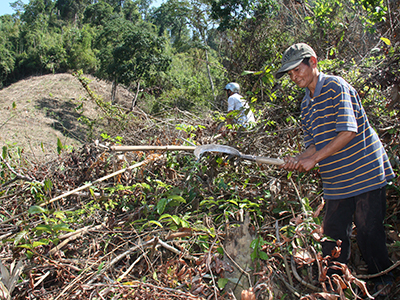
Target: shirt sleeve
(308, 140)
(346, 109)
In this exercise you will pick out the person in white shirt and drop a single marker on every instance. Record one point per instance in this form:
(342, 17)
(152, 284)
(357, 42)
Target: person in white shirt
(237, 102)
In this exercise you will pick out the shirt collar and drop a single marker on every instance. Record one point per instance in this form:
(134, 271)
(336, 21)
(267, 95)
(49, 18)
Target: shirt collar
(318, 88)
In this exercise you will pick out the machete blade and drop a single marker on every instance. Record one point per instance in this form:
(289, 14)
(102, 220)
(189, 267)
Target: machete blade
(198, 152)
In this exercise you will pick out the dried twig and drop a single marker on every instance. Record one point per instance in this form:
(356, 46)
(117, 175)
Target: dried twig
(17, 175)
(309, 285)
(369, 276)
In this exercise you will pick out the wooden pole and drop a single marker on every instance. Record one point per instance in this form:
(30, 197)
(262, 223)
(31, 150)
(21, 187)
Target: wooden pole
(145, 148)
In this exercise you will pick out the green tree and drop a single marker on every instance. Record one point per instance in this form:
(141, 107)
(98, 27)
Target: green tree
(173, 17)
(110, 37)
(78, 47)
(131, 11)
(72, 10)
(230, 13)
(140, 56)
(98, 14)
(9, 33)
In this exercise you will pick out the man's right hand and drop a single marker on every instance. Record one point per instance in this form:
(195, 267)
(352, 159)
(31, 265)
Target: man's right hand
(290, 163)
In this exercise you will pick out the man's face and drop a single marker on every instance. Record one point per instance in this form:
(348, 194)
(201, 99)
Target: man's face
(302, 75)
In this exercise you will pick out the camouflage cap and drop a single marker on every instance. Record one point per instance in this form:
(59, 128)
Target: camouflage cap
(293, 56)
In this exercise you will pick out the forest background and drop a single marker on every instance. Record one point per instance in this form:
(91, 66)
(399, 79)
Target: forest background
(160, 228)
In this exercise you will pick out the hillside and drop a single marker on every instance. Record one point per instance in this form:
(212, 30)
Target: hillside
(37, 111)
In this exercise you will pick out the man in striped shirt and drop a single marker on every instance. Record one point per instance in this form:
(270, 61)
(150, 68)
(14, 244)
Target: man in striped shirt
(353, 164)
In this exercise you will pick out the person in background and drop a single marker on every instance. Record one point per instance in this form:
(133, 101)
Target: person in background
(353, 164)
(238, 103)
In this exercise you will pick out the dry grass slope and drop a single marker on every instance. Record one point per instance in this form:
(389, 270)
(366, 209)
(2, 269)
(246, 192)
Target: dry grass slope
(37, 111)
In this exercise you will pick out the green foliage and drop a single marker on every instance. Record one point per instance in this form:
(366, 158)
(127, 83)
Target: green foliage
(173, 16)
(78, 45)
(376, 10)
(98, 13)
(304, 231)
(51, 225)
(140, 55)
(257, 245)
(174, 222)
(231, 12)
(187, 85)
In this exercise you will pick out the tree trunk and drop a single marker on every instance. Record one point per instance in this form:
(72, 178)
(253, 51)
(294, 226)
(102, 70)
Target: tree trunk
(210, 78)
(136, 95)
(114, 91)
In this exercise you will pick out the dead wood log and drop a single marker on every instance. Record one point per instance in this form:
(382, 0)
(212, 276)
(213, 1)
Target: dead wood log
(238, 255)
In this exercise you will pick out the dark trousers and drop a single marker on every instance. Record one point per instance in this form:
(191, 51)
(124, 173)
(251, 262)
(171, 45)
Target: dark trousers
(369, 211)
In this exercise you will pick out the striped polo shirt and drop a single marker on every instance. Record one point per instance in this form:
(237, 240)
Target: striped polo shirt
(362, 165)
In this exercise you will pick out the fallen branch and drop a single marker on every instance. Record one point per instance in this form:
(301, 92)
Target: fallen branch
(119, 257)
(369, 276)
(72, 236)
(119, 279)
(176, 251)
(94, 182)
(17, 175)
(82, 188)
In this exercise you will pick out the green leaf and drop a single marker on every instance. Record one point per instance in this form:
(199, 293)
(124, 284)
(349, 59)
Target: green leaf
(155, 277)
(19, 236)
(29, 254)
(48, 185)
(59, 214)
(100, 267)
(43, 227)
(222, 282)
(247, 73)
(26, 246)
(40, 243)
(176, 219)
(164, 216)
(154, 222)
(161, 205)
(263, 255)
(63, 227)
(233, 201)
(59, 146)
(185, 223)
(254, 243)
(386, 41)
(254, 255)
(176, 200)
(35, 209)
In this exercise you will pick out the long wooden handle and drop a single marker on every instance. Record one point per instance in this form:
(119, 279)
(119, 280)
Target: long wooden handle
(144, 148)
(263, 159)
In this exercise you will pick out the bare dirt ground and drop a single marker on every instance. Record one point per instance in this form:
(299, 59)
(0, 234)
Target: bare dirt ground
(37, 111)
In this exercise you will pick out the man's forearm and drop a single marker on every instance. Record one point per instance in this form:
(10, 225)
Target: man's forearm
(337, 144)
(308, 152)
